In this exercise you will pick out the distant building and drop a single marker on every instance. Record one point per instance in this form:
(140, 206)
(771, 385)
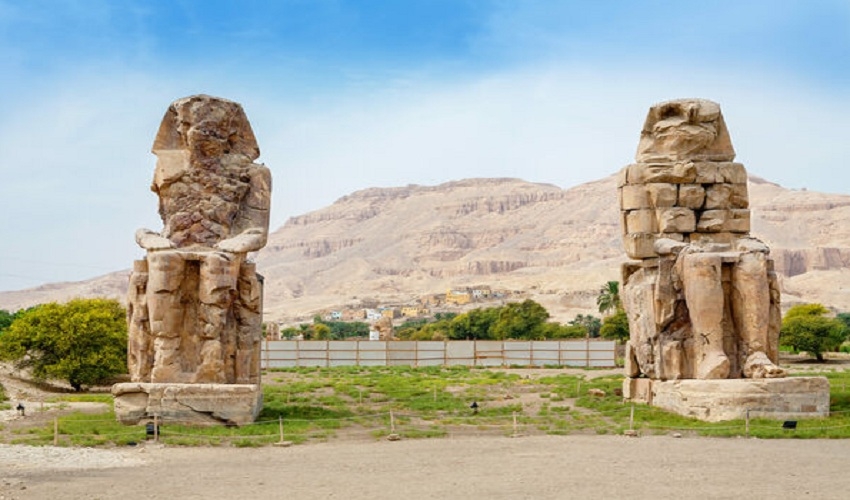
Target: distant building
(414, 311)
(353, 314)
(458, 297)
(390, 312)
(373, 314)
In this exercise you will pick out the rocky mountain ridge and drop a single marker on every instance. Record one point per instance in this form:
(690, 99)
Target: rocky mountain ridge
(396, 245)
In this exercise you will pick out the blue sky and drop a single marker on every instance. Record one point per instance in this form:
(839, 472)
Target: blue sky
(345, 95)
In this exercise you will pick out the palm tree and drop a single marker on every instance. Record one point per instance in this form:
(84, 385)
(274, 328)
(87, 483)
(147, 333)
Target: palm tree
(609, 297)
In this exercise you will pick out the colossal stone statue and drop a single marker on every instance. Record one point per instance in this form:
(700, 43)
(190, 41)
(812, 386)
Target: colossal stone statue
(195, 302)
(702, 298)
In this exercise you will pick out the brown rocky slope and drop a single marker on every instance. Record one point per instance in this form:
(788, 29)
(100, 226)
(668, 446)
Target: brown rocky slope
(395, 245)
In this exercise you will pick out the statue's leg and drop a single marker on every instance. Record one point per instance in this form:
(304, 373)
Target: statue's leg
(217, 291)
(249, 316)
(701, 277)
(165, 274)
(139, 355)
(752, 314)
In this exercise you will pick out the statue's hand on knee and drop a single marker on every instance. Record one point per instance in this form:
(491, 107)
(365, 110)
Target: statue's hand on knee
(247, 241)
(151, 240)
(750, 244)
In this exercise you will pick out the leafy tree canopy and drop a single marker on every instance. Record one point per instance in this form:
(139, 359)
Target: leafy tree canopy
(520, 320)
(615, 326)
(590, 323)
(609, 297)
(6, 319)
(805, 328)
(83, 341)
(844, 318)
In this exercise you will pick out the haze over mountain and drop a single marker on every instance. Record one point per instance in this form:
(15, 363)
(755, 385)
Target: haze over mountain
(391, 246)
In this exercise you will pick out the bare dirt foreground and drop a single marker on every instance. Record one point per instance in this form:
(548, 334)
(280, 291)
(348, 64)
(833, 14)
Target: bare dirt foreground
(650, 467)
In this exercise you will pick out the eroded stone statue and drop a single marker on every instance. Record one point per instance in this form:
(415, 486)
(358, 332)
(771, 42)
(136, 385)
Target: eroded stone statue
(702, 298)
(195, 303)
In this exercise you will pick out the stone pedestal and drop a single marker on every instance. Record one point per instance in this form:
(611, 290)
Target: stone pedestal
(729, 399)
(234, 404)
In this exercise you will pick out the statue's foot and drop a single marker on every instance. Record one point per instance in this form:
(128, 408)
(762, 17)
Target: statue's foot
(758, 365)
(713, 366)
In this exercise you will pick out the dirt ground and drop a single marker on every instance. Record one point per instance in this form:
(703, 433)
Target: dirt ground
(543, 467)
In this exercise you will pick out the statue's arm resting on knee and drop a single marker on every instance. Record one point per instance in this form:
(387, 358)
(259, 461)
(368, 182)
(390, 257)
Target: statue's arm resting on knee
(251, 229)
(151, 240)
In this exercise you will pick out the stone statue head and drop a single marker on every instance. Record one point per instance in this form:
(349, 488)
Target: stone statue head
(205, 127)
(684, 129)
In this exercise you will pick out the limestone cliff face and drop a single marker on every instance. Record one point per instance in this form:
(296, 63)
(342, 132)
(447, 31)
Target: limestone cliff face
(559, 246)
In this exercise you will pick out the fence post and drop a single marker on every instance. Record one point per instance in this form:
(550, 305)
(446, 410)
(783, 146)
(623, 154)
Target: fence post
(632, 418)
(280, 427)
(267, 353)
(392, 422)
(55, 431)
(516, 433)
(747, 427)
(155, 428)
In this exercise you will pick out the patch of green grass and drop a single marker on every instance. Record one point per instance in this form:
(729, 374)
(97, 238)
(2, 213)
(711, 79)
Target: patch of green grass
(82, 398)
(319, 404)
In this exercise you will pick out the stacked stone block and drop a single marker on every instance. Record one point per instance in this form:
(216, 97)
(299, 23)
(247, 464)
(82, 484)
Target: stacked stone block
(691, 202)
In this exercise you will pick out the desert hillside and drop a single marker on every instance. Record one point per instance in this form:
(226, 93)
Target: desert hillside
(383, 246)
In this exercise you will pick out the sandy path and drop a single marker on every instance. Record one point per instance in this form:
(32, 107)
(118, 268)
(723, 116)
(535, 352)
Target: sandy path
(544, 467)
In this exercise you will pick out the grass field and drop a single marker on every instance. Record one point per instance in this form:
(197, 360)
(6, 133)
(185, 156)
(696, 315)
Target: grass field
(304, 405)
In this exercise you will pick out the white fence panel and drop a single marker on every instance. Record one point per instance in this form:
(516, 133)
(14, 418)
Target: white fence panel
(373, 352)
(545, 353)
(489, 353)
(460, 353)
(323, 353)
(401, 353)
(431, 353)
(517, 353)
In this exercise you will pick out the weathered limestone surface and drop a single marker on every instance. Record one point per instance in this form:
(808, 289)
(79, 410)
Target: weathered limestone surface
(384, 327)
(702, 298)
(719, 400)
(703, 302)
(190, 403)
(194, 301)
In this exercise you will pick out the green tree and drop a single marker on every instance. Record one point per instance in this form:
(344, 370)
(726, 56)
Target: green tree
(520, 320)
(615, 326)
(609, 297)
(476, 324)
(6, 319)
(83, 341)
(557, 331)
(289, 332)
(410, 327)
(590, 323)
(844, 318)
(320, 331)
(806, 328)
